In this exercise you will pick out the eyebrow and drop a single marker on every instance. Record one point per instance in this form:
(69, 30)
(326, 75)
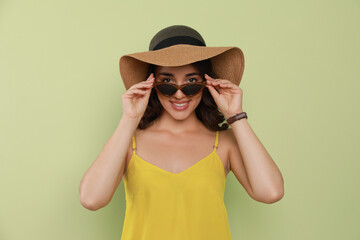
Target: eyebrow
(171, 75)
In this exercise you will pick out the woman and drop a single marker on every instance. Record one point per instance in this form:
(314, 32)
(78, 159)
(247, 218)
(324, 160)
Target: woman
(169, 146)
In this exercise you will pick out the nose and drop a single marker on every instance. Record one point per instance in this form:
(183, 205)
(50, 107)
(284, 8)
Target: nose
(179, 94)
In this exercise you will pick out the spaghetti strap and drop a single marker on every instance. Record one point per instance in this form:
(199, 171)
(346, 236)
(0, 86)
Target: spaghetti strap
(134, 142)
(216, 140)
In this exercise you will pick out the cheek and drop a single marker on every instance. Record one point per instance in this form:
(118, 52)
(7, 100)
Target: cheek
(163, 100)
(197, 100)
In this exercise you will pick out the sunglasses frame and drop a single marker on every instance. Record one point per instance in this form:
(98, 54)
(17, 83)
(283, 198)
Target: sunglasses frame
(179, 87)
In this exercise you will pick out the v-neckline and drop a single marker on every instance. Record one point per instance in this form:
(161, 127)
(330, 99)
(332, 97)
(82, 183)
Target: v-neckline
(172, 173)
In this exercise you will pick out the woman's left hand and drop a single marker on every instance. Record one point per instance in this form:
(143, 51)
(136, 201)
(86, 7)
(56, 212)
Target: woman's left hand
(226, 94)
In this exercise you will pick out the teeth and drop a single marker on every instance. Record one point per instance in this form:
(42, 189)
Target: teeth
(179, 105)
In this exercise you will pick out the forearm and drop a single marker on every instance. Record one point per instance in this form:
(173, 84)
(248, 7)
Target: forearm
(264, 176)
(100, 180)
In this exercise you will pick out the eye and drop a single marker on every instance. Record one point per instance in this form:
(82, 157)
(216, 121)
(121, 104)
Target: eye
(165, 80)
(195, 80)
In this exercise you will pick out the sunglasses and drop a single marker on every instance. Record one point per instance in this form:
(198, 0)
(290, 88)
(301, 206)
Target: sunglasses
(189, 89)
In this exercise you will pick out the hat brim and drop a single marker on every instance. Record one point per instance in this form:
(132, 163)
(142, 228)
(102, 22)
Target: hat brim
(228, 62)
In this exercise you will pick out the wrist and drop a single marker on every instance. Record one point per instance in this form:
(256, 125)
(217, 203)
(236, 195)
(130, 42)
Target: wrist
(236, 117)
(130, 121)
(228, 115)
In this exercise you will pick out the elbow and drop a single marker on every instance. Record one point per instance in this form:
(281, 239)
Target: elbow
(271, 197)
(276, 194)
(89, 204)
(87, 201)
(275, 197)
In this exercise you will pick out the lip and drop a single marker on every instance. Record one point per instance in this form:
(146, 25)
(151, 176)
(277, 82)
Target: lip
(182, 108)
(177, 102)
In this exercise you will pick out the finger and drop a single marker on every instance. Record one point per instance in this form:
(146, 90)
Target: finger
(137, 91)
(150, 76)
(208, 77)
(147, 85)
(143, 84)
(217, 84)
(147, 81)
(222, 81)
(150, 80)
(213, 81)
(225, 81)
(213, 91)
(214, 86)
(223, 84)
(226, 85)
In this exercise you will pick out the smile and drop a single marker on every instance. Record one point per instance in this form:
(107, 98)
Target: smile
(180, 106)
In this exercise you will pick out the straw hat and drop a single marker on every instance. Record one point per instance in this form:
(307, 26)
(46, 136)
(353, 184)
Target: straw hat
(179, 45)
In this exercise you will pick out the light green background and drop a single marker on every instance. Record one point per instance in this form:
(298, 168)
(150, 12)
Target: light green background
(61, 100)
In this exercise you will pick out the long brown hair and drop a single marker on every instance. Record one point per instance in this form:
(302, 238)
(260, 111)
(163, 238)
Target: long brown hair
(207, 111)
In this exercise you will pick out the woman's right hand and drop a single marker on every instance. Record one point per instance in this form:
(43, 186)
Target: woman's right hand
(136, 98)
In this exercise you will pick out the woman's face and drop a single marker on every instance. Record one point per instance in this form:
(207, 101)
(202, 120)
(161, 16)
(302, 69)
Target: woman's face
(179, 75)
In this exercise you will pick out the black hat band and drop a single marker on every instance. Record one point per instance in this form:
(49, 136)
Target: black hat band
(178, 40)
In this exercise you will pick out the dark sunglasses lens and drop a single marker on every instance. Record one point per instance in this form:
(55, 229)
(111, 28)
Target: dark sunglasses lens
(191, 89)
(166, 89)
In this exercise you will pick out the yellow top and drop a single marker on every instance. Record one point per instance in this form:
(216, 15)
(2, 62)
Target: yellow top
(161, 205)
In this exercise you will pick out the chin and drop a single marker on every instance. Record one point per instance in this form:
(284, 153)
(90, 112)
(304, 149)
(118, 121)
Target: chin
(181, 115)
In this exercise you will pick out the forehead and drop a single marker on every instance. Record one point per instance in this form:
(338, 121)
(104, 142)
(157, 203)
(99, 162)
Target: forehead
(177, 70)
